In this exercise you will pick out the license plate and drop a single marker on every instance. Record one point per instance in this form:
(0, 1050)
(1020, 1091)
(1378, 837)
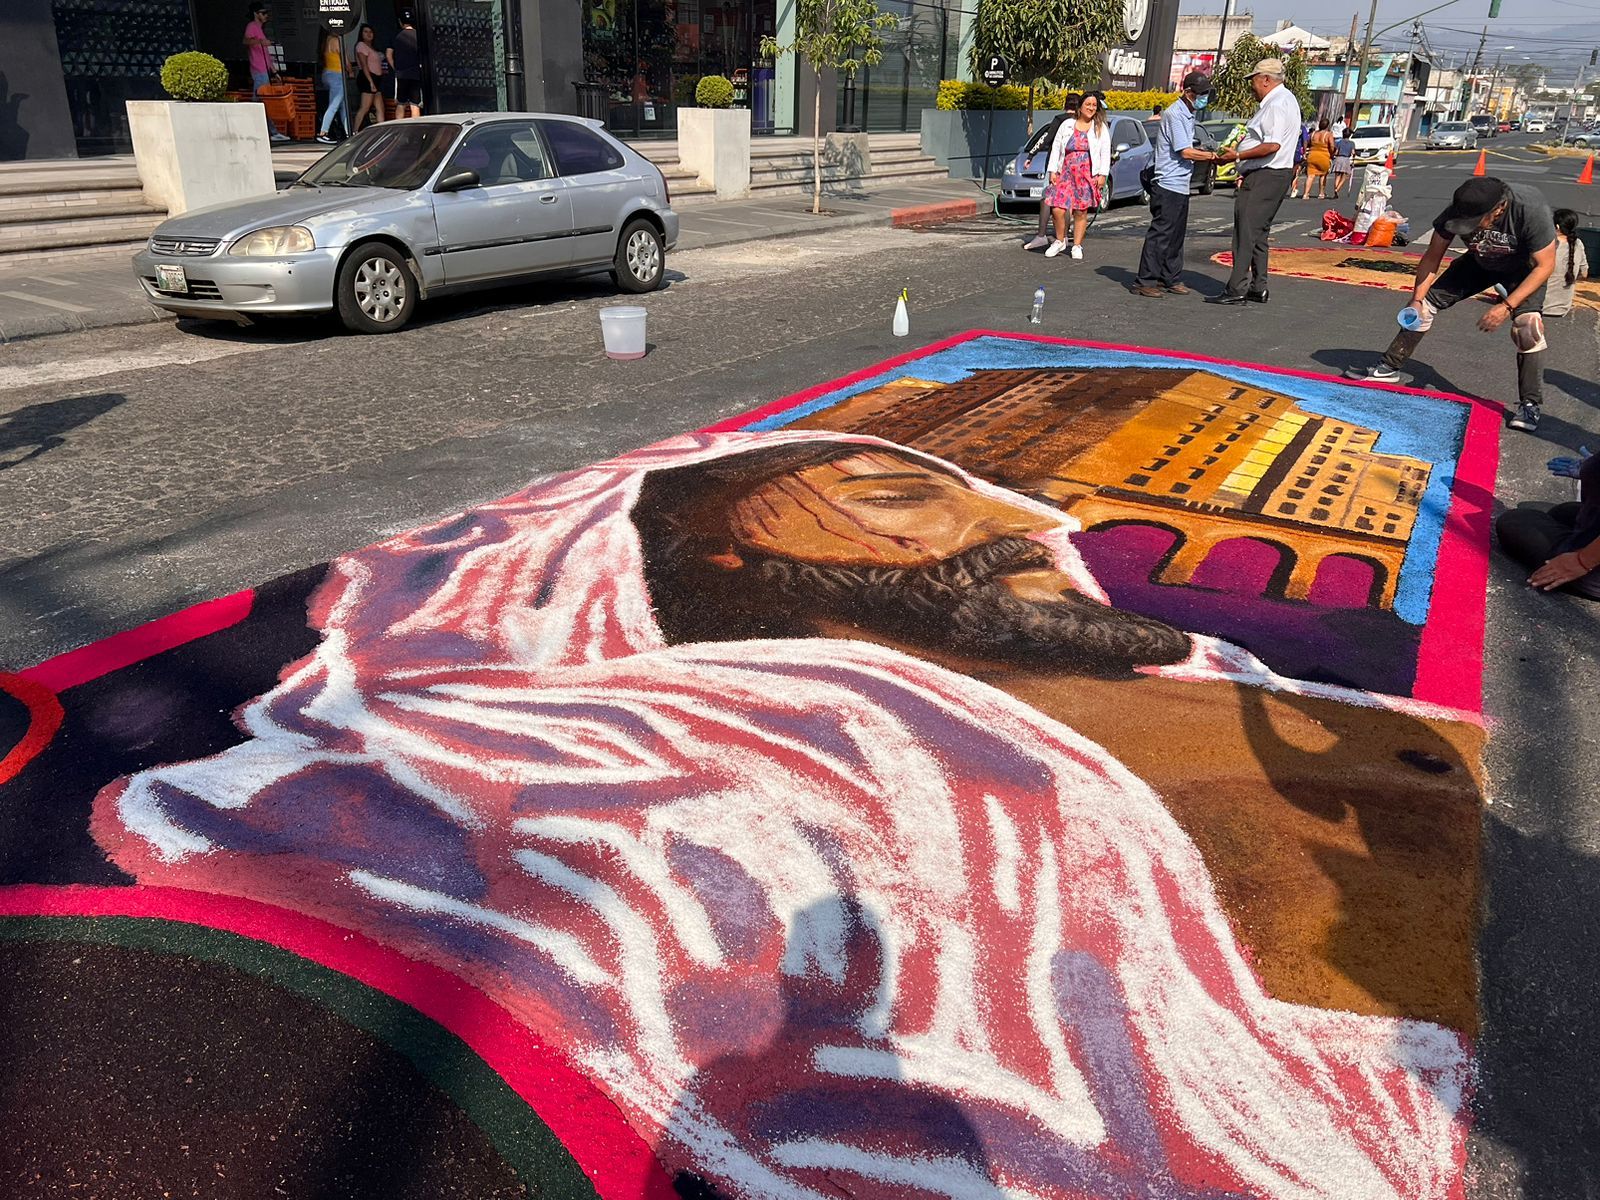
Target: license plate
(171, 279)
(1035, 193)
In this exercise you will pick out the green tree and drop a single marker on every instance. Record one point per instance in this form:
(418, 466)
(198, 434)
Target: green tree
(1234, 94)
(841, 35)
(1045, 41)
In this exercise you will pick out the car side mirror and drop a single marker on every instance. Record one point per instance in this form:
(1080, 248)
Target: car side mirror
(1122, 147)
(457, 182)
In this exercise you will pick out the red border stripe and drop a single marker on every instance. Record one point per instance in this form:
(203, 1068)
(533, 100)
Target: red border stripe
(617, 1160)
(141, 642)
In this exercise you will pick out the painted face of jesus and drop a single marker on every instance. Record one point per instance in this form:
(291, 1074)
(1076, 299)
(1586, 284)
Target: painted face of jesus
(890, 546)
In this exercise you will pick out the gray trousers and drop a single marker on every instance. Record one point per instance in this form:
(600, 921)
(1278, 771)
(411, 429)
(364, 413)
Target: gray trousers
(1255, 206)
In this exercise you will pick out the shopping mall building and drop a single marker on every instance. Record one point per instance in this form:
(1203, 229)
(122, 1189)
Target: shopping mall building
(68, 66)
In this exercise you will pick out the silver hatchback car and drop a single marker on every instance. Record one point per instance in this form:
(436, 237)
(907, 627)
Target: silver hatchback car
(411, 209)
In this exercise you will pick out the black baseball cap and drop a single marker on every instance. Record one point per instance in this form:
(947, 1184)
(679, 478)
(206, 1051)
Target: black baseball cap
(1198, 82)
(1474, 200)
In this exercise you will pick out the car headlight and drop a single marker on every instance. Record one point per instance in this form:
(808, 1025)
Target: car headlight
(280, 239)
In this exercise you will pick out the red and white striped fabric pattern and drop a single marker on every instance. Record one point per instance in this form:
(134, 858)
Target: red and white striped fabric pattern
(821, 917)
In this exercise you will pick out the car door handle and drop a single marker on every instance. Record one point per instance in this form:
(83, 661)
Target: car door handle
(548, 198)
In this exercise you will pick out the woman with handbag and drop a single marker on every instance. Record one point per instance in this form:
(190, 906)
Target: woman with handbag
(368, 67)
(1080, 161)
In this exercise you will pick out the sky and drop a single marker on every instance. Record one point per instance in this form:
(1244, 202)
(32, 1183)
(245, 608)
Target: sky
(1558, 34)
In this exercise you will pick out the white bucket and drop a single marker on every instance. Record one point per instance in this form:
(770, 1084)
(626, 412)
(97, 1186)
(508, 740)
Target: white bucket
(623, 330)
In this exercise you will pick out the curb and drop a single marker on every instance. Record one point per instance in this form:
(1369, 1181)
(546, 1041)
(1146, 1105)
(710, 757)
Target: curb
(933, 214)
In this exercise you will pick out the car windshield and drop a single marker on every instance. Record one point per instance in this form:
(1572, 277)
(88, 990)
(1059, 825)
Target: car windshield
(1372, 131)
(401, 154)
(1454, 127)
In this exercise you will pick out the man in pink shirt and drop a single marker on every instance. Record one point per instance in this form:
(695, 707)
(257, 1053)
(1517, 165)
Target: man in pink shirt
(259, 52)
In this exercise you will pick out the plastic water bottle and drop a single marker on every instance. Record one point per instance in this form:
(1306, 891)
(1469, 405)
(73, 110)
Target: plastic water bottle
(1038, 306)
(1409, 317)
(902, 319)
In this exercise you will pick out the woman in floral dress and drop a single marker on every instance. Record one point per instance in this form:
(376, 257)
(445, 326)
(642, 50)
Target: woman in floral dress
(1080, 160)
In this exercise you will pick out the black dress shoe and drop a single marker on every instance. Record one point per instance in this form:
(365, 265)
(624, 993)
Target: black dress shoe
(1226, 298)
(1257, 297)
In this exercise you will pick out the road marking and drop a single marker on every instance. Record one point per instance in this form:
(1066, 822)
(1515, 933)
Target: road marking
(46, 301)
(51, 279)
(187, 353)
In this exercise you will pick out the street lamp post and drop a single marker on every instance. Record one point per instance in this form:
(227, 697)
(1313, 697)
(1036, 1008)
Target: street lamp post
(1366, 46)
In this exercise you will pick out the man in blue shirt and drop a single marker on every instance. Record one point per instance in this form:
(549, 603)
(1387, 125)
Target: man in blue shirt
(1161, 261)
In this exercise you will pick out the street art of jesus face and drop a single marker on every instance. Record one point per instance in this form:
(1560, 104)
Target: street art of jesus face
(886, 546)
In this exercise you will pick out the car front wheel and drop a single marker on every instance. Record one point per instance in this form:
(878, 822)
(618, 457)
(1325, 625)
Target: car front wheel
(641, 261)
(376, 292)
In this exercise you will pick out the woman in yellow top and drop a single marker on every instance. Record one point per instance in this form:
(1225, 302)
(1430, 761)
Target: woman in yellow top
(333, 80)
(1319, 159)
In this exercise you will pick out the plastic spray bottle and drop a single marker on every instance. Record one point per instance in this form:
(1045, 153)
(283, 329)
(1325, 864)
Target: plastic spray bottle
(1038, 306)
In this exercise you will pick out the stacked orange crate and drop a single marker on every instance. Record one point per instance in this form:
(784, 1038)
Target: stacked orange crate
(304, 126)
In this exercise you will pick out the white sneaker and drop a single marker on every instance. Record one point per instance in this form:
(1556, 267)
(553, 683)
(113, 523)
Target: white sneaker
(1038, 243)
(1055, 249)
(1077, 252)
(280, 137)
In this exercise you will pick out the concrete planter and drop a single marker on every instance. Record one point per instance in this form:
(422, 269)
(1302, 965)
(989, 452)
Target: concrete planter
(957, 138)
(714, 143)
(191, 155)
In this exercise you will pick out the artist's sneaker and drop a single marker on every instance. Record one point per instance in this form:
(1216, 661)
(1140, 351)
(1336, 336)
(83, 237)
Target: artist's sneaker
(1038, 243)
(1527, 417)
(1379, 372)
(1055, 249)
(1077, 252)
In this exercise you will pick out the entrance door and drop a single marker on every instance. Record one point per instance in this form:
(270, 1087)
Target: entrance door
(518, 219)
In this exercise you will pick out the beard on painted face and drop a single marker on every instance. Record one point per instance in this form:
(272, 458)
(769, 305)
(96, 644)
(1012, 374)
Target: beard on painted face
(962, 603)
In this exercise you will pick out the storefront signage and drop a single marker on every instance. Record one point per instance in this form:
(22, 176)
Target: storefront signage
(1135, 13)
(337, 15)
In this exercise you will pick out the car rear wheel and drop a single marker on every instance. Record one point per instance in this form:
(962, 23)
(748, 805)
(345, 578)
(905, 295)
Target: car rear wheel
(376, 292)
(641, 261)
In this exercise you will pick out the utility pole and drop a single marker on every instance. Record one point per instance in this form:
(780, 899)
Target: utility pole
(1222, 37)
(1346, 113)
(1494, 109)
(1366, 51)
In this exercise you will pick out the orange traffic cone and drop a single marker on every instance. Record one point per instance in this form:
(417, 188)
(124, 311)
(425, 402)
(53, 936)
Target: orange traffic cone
(1587, 174)
(1389, 166)
(1483, 162)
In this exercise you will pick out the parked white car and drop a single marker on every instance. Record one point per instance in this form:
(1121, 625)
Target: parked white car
(1536, 125)
(1373, 142)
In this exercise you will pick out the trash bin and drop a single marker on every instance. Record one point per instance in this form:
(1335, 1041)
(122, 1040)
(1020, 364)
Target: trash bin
(592, 101)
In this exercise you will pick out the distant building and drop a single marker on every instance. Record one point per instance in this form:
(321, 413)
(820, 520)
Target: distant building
(1208, 458)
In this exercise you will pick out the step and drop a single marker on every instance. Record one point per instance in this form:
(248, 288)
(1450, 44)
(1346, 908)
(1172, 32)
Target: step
(72, 235)
(69, 181)
(104, 204)
(108, 254)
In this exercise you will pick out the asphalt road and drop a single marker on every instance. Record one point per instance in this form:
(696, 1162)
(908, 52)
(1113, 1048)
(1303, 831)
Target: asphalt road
(146, 468)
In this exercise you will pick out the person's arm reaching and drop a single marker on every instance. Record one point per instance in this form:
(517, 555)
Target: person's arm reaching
(1564, 568)
(1544, 262)
(1430, 267)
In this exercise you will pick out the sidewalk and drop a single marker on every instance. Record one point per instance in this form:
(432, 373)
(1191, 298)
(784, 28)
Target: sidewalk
(100, 293)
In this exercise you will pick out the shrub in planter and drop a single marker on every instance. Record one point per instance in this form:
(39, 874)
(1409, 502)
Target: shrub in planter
(192, 75)
(714, 91)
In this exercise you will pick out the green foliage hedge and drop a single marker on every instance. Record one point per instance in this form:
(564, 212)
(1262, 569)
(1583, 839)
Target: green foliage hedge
(192, 75)
(955, 94)
(714, 91)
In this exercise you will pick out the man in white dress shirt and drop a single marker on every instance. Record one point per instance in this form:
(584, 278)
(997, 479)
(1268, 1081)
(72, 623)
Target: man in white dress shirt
(1266, 169)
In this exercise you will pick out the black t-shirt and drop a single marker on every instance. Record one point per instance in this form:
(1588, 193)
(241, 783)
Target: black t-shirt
(1587, 527)
(1526, 227)
(408, 59)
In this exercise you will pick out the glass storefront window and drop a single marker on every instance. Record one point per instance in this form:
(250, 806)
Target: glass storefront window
(918, 52)
(649, 55)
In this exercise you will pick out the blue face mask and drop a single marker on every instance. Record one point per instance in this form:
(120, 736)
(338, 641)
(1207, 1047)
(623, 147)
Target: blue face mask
(1201, 101)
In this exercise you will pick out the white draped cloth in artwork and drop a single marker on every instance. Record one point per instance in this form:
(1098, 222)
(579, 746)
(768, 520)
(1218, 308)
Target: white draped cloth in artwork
(663, 858)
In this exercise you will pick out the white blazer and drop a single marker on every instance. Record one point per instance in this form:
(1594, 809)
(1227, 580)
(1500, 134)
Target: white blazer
(1099, 148)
